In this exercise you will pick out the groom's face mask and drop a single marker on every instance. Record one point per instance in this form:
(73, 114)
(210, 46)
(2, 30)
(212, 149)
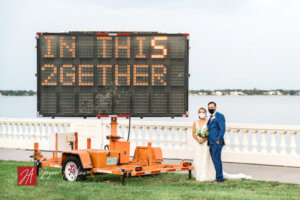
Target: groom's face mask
(211, 111)
(211, 108)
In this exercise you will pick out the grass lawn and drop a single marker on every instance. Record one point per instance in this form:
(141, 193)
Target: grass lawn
(50, 185)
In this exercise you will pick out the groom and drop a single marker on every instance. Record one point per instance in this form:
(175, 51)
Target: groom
(216, 127)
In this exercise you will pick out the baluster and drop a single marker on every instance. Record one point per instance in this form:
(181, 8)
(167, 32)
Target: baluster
(169, 137)
(273, 144)
(227, 140)
(51, 133)
(2, 141)
(51, 129)
(9, 131)
(38, 131)
(120, 130)
(283, 145)
(184, 138)
(67, 125)
(245, 143)
(161, 136)
(31, 131)
(58, 128)
(155, 136)
(20, 132)
(13, 129)
(263, 142)
(293, 143)
(236, 143)
(55, 128)
(147, 134)
(16, 124)
(188, 138)
(125, 132)
(132, 138)
(107, 132)
(28, 131)
(41, 131)
(2, 128)
(44, 131)
(177, 138)
(254, 144)
(140, 139)
(25, 131)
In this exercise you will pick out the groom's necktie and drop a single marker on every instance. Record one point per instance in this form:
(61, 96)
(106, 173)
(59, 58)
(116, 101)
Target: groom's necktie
(210, 119)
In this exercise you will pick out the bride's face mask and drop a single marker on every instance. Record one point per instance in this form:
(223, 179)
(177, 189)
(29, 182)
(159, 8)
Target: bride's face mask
(202, 115)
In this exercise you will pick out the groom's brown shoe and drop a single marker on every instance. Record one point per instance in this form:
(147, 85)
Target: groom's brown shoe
(219, 181)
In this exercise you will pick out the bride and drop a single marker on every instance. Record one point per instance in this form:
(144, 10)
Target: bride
(203, 165)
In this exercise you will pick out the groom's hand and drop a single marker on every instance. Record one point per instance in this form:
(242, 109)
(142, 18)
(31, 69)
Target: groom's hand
(218, 142)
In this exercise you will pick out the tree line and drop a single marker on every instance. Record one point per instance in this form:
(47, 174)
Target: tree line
(245, 92)
(196, 92)
(17, 92)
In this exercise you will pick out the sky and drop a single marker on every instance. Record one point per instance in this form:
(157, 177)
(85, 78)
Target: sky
(233, 43)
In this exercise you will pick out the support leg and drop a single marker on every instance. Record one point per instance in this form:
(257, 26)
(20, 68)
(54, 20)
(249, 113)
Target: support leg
(37, 164)
(190, 174)
(123, 179)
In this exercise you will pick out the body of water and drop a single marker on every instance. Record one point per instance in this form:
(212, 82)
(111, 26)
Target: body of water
(237, 109)
(280, 110)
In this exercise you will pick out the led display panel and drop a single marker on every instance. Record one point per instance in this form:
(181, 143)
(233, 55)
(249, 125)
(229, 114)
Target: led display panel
(88, 74)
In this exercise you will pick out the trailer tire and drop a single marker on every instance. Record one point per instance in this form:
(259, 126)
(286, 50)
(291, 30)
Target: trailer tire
(72, 169)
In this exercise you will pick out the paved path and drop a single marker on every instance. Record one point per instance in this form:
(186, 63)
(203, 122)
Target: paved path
(258, 172)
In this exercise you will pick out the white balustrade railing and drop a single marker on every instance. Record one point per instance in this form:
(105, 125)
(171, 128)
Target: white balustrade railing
(245, 143)
(22, 133)
(262, 144)
(173, 138)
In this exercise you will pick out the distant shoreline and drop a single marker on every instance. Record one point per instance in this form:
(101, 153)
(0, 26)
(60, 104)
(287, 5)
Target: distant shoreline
(224, 92)
(189, 95)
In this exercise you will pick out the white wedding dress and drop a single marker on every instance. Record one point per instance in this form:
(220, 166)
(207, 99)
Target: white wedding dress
(203, 166)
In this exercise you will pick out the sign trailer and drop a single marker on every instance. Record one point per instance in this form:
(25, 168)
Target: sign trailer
(102, 74)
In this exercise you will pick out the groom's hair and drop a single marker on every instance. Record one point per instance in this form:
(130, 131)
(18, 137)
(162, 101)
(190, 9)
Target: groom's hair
(212, 103)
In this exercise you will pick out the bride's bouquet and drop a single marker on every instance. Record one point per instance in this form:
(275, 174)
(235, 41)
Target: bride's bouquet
(203, 132)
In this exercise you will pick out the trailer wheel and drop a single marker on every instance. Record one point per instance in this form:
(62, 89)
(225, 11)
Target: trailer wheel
(72, 169)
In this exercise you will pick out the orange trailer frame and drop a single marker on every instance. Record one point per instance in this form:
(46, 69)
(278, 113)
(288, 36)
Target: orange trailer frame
(77, 164)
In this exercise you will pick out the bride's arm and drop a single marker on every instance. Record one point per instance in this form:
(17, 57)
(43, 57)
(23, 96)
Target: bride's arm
(194, 133)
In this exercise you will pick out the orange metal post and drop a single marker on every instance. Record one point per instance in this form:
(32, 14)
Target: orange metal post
(149, 148)
(36, 145)
(55, 155)
(88, 143)
(113, 132)
(76, 141)
(36, 150)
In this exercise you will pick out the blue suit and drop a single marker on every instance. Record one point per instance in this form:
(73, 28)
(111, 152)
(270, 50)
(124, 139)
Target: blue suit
(216, 127)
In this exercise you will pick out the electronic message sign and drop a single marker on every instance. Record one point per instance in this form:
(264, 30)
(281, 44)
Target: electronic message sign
(141, 74)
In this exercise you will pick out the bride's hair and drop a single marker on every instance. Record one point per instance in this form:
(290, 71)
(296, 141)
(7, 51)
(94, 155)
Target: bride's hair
(202, 109)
